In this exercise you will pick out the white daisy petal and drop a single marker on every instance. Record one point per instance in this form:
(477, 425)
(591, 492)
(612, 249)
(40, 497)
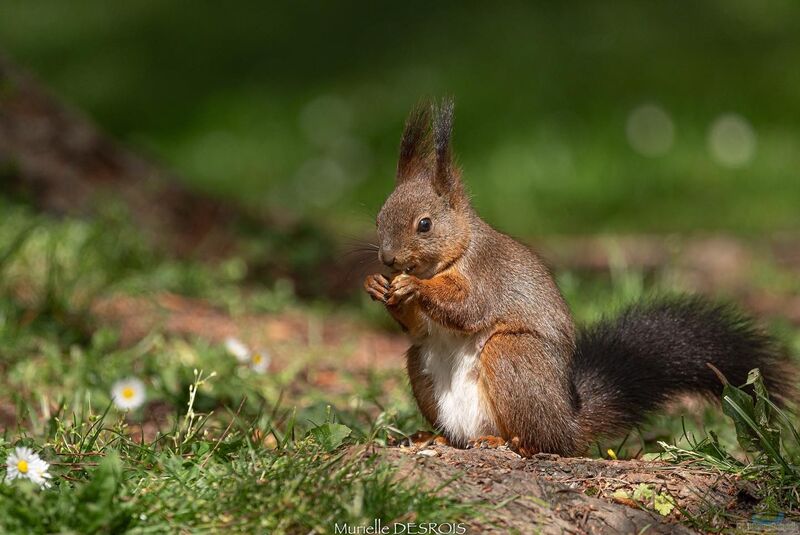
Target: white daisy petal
(128, 393)
(39, 473)
(24, 463)
(259, 361)
(238, 349)
(18, 462)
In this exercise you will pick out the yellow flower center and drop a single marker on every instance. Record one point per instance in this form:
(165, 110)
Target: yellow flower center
(22, 466)
(257, 358)
(128, 392)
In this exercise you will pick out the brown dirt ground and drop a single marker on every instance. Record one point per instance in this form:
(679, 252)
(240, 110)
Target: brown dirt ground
(550, 494)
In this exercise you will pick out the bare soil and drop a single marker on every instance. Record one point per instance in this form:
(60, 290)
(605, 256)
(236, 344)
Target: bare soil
(550, 494)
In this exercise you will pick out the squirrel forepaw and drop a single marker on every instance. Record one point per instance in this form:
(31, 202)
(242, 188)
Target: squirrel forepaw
(377, 287)
(402, 288)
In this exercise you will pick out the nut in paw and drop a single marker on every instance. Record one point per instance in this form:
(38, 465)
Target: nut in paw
(403, 287)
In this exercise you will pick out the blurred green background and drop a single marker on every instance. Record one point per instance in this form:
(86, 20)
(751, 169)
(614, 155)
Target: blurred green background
(578, 118)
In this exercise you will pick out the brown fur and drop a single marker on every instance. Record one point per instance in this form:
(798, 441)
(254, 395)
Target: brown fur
(470, 278)
(494, 339)
(421, 385)
(543, 419)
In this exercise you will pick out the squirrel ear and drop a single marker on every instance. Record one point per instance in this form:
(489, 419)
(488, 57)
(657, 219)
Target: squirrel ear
(415, 146)
(425, 149)
(446, 175)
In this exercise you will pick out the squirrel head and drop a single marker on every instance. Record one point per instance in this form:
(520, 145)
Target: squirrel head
(424, 225)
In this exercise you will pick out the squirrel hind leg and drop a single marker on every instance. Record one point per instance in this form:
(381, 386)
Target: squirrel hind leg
(530, 396)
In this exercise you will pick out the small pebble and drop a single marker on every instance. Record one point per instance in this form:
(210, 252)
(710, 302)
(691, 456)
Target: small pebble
(428, 453)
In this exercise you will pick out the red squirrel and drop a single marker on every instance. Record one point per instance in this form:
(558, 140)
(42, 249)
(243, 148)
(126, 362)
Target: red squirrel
(495, 351)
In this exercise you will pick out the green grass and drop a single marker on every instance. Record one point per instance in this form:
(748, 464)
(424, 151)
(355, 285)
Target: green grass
(264, 452)
(246, 452)
(207, 479)
(768, 455)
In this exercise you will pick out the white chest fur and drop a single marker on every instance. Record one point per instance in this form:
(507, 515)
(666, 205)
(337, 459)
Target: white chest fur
(452, 361)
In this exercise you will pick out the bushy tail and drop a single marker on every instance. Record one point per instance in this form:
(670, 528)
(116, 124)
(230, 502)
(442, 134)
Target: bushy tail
(629, 366)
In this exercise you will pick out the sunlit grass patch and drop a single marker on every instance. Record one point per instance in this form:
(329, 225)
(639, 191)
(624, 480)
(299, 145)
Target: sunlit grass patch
(768, 452)
(230, 479)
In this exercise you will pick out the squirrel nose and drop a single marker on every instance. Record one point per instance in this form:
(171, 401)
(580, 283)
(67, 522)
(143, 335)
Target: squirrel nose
(388, 257)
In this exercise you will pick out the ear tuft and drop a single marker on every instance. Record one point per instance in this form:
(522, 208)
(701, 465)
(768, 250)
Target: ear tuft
(415, 146)
(446, 177)
(425, 149)
(443, 131)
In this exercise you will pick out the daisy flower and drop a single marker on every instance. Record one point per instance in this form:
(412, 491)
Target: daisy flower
(24, 463)
(128, 393)
(238, 349)
(259, 361)
(39, 473)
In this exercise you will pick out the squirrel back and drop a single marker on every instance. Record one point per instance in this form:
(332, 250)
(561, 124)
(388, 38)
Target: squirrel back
(494, 347)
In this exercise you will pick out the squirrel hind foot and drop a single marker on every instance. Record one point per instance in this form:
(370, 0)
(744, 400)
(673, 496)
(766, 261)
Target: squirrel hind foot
(422, 439)
(487, 442)
(495, 442)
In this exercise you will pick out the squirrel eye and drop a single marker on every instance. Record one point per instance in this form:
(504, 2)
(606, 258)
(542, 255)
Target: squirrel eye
(424, 224)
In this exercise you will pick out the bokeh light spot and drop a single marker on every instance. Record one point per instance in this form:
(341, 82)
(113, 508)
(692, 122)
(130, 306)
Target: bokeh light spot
(650, 130)
(325, 119)
(732, 140)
